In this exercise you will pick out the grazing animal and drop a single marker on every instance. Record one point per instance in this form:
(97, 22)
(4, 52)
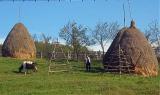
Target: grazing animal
(27, 65)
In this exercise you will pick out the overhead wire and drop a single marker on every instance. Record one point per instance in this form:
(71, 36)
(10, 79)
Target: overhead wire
(47, 0)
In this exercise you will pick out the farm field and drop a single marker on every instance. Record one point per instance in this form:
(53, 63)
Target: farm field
(75, 82)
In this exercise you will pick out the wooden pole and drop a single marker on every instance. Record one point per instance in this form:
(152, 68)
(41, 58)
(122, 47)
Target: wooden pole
(124, 15)
(119, 60)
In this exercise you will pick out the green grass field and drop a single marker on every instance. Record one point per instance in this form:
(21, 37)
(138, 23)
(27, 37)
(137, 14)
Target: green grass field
(74, 82)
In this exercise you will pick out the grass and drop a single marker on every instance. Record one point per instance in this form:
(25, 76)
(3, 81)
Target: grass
(74, 82)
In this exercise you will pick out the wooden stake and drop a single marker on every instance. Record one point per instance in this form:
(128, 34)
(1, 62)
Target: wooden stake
(124, 15)
(119, 60)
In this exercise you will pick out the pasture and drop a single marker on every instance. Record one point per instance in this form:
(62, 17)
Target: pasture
(75, 82)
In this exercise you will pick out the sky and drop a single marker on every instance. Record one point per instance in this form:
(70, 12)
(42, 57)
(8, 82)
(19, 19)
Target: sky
(49, 17)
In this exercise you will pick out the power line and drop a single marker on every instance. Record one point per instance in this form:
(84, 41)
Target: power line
(48, 0)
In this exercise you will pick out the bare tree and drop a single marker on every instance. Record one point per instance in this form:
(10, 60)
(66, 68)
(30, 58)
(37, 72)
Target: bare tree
(34, 37)
(46, 41)
(152, 34)
(104, 32)
(43, 44)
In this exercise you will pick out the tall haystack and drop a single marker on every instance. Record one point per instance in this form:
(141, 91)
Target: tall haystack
(19, 43)
(130, 52)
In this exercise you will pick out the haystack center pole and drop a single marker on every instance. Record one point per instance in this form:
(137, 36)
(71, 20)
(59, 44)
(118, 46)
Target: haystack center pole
(124, 15)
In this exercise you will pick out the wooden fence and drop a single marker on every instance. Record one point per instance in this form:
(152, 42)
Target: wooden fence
(70, 55)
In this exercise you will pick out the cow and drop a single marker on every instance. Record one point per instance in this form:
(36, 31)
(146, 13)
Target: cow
(28, 65)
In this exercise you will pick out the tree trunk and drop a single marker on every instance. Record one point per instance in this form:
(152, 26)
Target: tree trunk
(75, 53)
(102, 46)
(77, 56)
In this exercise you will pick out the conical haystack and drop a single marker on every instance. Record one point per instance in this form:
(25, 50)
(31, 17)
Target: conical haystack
(19, 43)
(130, 52)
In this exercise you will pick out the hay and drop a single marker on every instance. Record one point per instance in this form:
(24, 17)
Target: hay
(138, 55)
(19, 43)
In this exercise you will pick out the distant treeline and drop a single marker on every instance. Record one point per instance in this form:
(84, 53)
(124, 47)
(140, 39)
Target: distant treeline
(45, 49)
(0, 46)
(0, 49)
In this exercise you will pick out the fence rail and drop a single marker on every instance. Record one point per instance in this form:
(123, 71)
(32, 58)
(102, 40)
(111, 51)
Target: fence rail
(70, 56)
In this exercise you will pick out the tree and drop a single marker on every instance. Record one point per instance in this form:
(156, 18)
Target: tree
(0, 49)
(152, 34)
(75, 36)
(104, 32)
(43, 44)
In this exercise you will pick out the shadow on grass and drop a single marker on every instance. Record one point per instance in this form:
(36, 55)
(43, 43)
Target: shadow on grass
(95, 70)
(17, 72)
(92, 70)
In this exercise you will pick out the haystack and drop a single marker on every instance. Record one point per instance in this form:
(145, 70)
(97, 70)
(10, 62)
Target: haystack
(19, 43)
(130, 52)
